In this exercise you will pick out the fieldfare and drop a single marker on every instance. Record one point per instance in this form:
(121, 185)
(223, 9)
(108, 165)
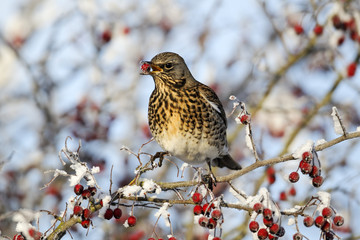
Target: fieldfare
(186, 117)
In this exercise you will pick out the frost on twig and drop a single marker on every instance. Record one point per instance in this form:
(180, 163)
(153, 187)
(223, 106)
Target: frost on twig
(163, 212)
(338, 124)
(81, 169)
(244, 118)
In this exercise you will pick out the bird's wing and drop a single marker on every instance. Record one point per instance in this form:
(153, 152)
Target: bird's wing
(211, 97)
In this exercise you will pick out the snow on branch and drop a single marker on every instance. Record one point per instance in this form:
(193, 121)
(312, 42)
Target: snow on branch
(338, 124)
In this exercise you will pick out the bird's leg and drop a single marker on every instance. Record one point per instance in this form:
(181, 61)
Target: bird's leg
(160, 156)
(212, 179)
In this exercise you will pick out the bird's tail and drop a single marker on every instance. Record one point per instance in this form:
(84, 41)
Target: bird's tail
(226, 161)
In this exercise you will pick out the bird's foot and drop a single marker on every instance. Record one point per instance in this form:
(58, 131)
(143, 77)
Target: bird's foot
(160, 156)
(210, 180)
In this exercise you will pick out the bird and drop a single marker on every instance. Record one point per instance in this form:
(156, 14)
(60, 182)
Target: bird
(186, 117)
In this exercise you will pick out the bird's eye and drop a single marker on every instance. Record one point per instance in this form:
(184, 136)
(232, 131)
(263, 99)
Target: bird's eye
(168, 65)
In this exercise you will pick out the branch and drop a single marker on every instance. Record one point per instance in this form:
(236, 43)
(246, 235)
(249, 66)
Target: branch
(284, 158)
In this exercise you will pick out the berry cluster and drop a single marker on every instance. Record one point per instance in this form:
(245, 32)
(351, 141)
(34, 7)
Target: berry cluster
(85, 213)
(284, 195)
(307, 166)
(89, 122)
(270, 174)
(347, 26)
(272, 229)
(210, 216)
(323, 222)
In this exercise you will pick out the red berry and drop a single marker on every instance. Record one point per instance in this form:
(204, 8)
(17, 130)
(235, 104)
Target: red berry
(270, 171)
(172, 238)
(34, 234)
(271, 179)
(274, 229)
(18, 237)
(117, 213)
(85, 223)
(109, 214)
(267, 213)
(197, 198)
(351, 24)
(258, 207)
(272, 237)
(254, 226)
(262, 234)
(294, 177)
(245, 119)
(338, 24)
(198, 210)
(326, 227)
(307, 156)
(297, 236)
(319, 221)
(216, 238)
(145, 67)
(78, 189)
(317, 181)
(106, 36)
(283, 196)
(341, 40)
(298, 29)
(216, 214)
(92, 190)
(207, 208)
(314, 172)
(78, 210)
(211, 224)
(86, 213)
(131, 221)
(151, 238)
(318, 29)
(86, 194)
(354, 35)
(305, 167)
(267, 222)
(292, 191)
(326, 212)
(281, 232)
(338, 220)
(351, 69)
(329, 236)
(308, 221)
(203, 221)
(126, 30)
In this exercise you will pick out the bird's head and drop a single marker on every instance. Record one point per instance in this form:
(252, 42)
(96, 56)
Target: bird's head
(168, 68)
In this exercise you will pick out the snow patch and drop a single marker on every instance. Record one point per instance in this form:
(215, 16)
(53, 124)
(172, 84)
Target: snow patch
(325, 199)
(291, 221)
(163, 212)
(320, 141)
(337, 126)
(248, 138)
(106, 204)
(150, 186)
(307, 147)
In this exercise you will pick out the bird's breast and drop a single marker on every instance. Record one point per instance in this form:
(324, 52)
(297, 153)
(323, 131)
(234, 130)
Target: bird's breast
(186, 127)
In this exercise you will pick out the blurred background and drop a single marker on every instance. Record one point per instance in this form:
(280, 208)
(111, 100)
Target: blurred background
(71, 68)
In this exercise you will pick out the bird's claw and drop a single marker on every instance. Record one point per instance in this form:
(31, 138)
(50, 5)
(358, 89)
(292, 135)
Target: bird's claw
(160, 156)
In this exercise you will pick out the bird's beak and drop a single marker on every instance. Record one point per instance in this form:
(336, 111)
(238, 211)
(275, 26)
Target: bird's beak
(149, 68)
